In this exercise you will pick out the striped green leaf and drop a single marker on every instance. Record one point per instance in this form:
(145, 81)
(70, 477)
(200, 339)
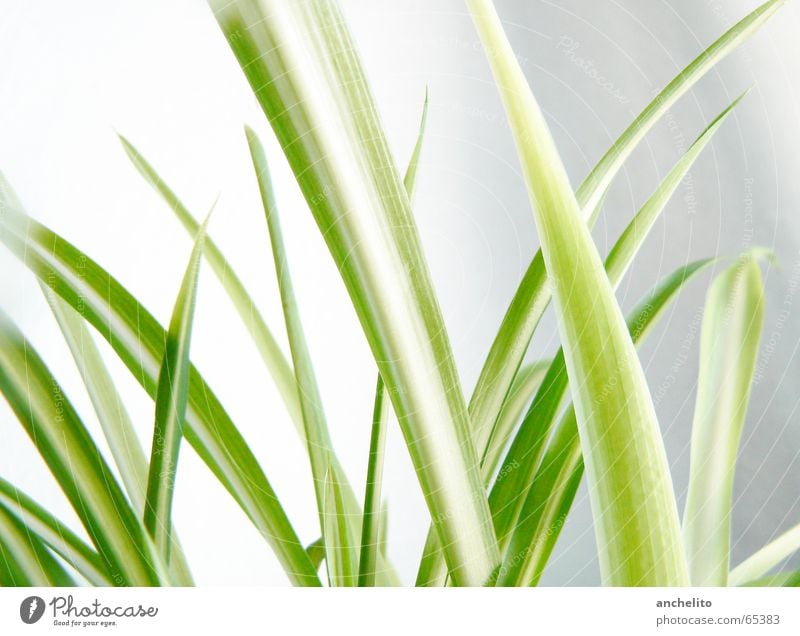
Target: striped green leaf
(305, 72)
(731, 331)
(767, 558)
(76, 463)
(25, 561)
(172, 395)
(533, 293)
(139, 341)
(549, 499)
(636, 519)
(340, 552)
(372, 519)
(56, 535)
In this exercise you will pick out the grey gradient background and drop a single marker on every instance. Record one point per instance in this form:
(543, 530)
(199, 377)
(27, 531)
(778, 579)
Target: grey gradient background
(160, 73)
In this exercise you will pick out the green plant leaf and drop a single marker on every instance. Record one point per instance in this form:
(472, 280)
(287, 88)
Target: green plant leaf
(523, 457)
(339, 548)
(732, 321)
(267, 346)
(139, 341)
(318, 441)
(372, 519)
(636, 518)
(410, 177)
(781, 579)
(304, 70)
(533, 293)
(114, 419)
(25, 561)
(56, 535)
(526, 385)
(172, 395)
(76, 463)
(549, 499)
(316, 552)
(765, 559)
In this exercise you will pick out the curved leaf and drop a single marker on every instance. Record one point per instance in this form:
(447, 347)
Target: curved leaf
(55, 534)
(324, 116)
(24, 559)
(76, 463)
(533, 293)
(171, 398)
(768, 557)
(138, 340)
(731, 331)
(637, 528)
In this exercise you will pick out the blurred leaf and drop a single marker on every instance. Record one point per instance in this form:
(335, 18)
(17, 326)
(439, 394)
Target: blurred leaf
(768, 557)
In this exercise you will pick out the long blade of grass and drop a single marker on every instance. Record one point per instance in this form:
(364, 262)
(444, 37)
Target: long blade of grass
(113, 417)
(25, 561)
(637, 528)
(324, 117)
(732, 320)
(76, 463)
(56, 535)
(267, 346)
(371, 521)
(374, 520)
(550, 497)
(768, 557)
(508, 494)
(781, 579)
(533, 293)
(340, 551)
(171, 398)
(318, 441)
(522, 458)
(138, 339)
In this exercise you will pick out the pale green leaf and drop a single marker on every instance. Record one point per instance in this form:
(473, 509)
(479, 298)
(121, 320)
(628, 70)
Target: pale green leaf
(172, 395)
(765, 559)
(305, 72)
(636, 519)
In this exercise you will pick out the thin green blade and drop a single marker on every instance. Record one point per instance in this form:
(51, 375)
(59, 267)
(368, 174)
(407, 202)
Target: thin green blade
(339, 548)
(372, 519)
(323, 114)
(731, 331)
(525, 453)
(552, 492)
(114, 419)
(768, 557)
(533, 293)
(76, 463)
(139, 341)
(171, 398)
(265, 342)
(25, 561)
(55, 534)
(634, 507)
(318, 441)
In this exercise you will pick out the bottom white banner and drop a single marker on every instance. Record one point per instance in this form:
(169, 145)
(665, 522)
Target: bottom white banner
(235, 611)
